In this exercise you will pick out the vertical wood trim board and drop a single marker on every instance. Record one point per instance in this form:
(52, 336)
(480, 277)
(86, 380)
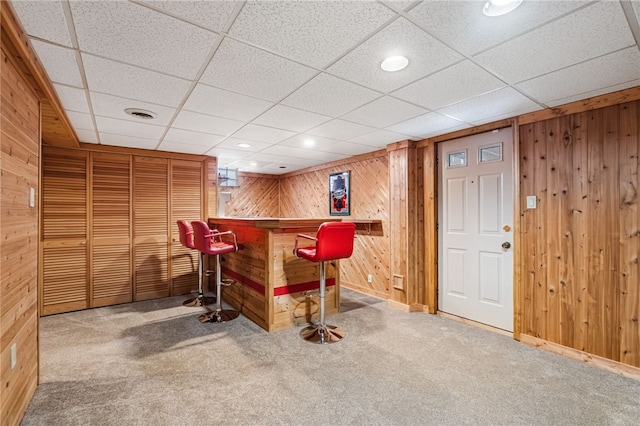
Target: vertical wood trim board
(19, 265)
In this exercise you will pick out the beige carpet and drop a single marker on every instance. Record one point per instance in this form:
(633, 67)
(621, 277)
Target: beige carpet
(153, 363)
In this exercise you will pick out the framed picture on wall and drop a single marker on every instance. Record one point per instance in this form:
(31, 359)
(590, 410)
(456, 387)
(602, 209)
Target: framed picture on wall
(339, 200)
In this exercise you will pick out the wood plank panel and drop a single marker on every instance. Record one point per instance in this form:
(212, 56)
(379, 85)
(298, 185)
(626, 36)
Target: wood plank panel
(151, 227)
(254, 197)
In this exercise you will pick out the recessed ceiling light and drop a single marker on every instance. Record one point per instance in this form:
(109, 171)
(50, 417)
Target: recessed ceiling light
(244, 145)
(253, 163)
(141, 113)
(394, 63)
(500, 7)
(309, 143)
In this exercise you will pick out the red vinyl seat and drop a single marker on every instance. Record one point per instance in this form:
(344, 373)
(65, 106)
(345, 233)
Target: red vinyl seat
(186, 239)
(213, 243)
(334, 240)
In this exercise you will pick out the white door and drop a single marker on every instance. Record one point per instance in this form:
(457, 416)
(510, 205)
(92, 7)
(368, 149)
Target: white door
(475, 222)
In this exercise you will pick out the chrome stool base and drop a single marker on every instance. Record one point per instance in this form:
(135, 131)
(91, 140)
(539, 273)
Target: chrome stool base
(219, 315)
(199, 301)
(322, 335)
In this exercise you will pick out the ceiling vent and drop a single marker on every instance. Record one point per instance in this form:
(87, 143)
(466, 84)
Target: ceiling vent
(141, 113)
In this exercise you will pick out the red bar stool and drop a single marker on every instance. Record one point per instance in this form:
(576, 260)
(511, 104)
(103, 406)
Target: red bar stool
(334, 240)
(186, 239)
(210, 242)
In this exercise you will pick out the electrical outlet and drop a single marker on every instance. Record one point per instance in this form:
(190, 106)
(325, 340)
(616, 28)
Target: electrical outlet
(370, 278)
(32, 197)
(14, 355)
(531, 201)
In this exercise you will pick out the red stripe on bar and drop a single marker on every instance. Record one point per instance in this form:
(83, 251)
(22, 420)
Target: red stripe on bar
(296, 288)
(244, 280)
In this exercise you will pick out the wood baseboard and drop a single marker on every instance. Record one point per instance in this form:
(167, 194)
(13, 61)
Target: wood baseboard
(407, 308)
(595, 360)
(475, 324)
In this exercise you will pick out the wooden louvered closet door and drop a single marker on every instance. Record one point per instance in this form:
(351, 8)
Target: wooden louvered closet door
(64, 231)
(111, 229)
(186, 203)
(150, 227)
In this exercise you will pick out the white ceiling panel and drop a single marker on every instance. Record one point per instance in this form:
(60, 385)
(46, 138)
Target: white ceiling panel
(464, 27)
(212, 15)
(114, 106)
(401, 38)
(61, 63)
(253, 132)
(207, 140)
(134, 83)
(593, 31)
(315, 33)
(285, 72)
(80, 120)
(379, 138)
(188, 120)
(461, 81)
(72, 98)
(340, 129)
(384, 112)
(184, 148)
(127, 141)
(297, 120)
(129, 128)
(140, 36)
(222, 103)
(490, 106)
(251, 71)
(329, 95)
(430, 124)
(289, 151)
(616, 68)
(44, 19)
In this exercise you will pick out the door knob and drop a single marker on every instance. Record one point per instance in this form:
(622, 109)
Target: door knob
(506, 245)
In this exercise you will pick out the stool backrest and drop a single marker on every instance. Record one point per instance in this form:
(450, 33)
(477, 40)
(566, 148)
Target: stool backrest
(200, 232)
(335, 240)
(186, 234)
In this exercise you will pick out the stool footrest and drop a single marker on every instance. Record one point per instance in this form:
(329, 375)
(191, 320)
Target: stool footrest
(322, 334)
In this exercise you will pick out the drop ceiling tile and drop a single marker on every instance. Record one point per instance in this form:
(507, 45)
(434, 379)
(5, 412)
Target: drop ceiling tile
(129, 128)
(379, 138)
(616, 68)
(254, 146)
(226, 156)
(315, 143)
(585, 34)
(61, 63)
(248, 70)
(314, 33)
(384, 112)
(139, 36)
(188, 120)
(80, 121)
(114, 106)
(598, 92)
(329, 95)
(127, 141)
(44, 20)
(192, 138)
(492, 106)
(401, 38)
(288, 151)
(86, 136)
(428, 124)
(459, 82)
(212, 15)
(399, 4)
(287, 118)
(636, 8)
(182, 147)
(289, 163)
(131, 82)
(222, 103)
(72, 98)
(465, 28)
(340, 129)
(253, 132)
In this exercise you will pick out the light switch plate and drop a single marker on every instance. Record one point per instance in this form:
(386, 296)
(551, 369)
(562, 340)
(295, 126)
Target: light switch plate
(32, 197)
(531, 201)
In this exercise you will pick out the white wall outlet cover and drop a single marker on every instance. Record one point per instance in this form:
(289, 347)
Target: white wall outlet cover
(531, 201)
(32, 197)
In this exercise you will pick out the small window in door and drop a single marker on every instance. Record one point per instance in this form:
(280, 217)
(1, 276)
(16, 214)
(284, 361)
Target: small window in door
(457, 159)
(489, 154)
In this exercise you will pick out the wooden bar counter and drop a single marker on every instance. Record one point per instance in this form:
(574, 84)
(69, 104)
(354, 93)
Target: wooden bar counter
(272, 285)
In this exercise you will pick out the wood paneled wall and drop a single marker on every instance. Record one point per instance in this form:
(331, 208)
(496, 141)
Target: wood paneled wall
(255, 196)
(19, 168)
(306, 194)
(109, 232)
(581, 245)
